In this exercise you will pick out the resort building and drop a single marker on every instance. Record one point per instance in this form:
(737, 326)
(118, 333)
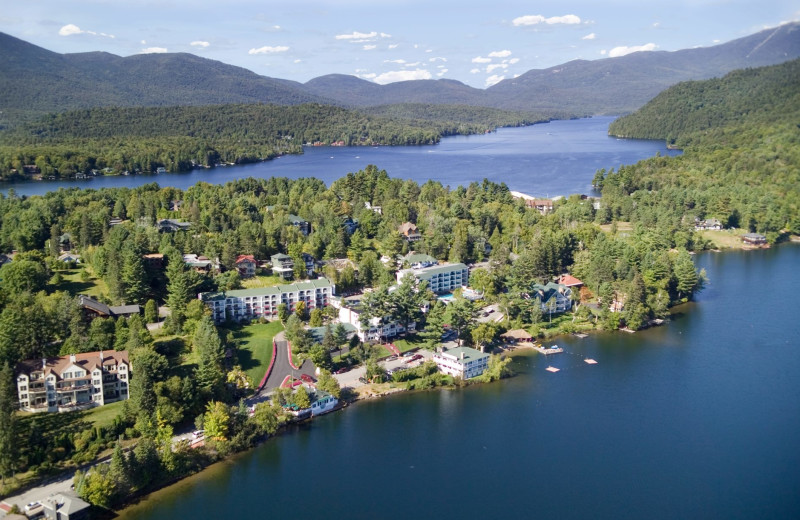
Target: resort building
(93, 308)
(61, 506)
(73, 382)
(441, 278)
(569, 281)
(249, 304)
(463, 362)
(554, 298)
(201, 264)
(303, 225)
(377, 329)
(754, 239)
(708, 224)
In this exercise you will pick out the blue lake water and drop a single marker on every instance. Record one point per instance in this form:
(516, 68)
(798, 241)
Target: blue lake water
(557, 158)
(699, 419)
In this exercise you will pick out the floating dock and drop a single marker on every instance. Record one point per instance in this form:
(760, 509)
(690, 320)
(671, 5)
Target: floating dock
(580, 335)
(552, 369)
(555, 349)
(590, 361)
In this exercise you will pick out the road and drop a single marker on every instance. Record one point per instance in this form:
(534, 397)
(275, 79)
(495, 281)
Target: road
(350, 378)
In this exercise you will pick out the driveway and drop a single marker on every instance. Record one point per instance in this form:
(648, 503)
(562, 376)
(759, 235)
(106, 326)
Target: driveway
(283, 366)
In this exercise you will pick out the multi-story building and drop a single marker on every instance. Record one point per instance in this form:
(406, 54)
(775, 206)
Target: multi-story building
(441, 278)
(376, 329)
(283, 266)
(73, 382)
(463, 362)
(248, 304)
(246, 265)
(554, 298)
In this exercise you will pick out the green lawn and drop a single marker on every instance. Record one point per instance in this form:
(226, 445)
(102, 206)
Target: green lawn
(410, 342)
(73, 284)
(103, 415)
(255, 349)
(258, 282)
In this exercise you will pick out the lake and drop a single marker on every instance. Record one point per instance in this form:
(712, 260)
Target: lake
(557, 158)
(699, 418)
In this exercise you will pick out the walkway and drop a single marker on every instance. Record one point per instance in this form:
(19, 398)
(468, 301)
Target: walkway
(283, 366)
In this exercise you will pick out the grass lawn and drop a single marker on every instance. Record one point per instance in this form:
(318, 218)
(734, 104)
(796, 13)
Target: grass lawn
(621, 226)
(723, 239)
(103, 415)
(255, 349)
(73, 284)
(410, 342)
(258, 282)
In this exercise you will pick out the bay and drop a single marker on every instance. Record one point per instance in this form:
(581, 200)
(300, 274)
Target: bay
(556, 158)
(699, 418)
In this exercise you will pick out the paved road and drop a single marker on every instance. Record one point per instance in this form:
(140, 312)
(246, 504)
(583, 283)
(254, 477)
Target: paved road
(350, 378)
(283, 367)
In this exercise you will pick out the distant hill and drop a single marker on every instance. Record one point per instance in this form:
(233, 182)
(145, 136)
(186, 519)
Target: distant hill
(35, 81)
(743, 97)
(621, 85)
(605, 86)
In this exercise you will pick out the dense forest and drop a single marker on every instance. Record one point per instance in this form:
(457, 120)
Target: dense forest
(741, 160)
(632, 250)
(181, 138)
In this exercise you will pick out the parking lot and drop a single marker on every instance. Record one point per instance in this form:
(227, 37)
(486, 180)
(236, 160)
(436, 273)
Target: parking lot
(351, 377)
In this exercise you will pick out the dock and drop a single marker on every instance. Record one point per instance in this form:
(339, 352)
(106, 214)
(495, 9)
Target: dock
(590, 361)
(552, 369)
(555, 349)
(580, 335)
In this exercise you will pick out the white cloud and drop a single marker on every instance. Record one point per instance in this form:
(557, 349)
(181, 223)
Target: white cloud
(440, 66)
(70, 29)
(441, 73)
(415, 64)
(500, 54)
(399, 61)
(493, 80)
(384, 35)
(392, 45)
(604, 52)
(590, 36)
(428, 50)
(356, 36)
(656, 24)
(493, 67)
(437, 58)
(715, 41)
(371, 75)
(402, 75)
(276, 27)
(298, 60)
(623, 50)
(536, 19)
(268, 49)
(153, 50)
(513, 61)
(474, 71)
(199, 44)
(369, 47)
(144, 42)
(481, 59)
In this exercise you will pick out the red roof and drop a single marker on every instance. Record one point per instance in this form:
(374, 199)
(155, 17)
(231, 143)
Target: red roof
(245, 258)
(569, 280)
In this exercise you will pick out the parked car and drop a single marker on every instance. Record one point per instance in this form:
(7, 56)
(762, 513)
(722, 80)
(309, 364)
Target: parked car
(342, 370)
(362, 380)
(408, 354)
(414, 358)
(307, 378)
(391, 358)
(34, 508)
(198, 434)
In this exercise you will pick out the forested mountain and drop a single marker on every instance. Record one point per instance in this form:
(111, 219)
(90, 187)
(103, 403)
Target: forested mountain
(35, 81)
(741, 161)
(623, 84)
(749, 96)
(182, 137)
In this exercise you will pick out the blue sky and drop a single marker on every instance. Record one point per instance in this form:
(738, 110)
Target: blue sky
(478, 43)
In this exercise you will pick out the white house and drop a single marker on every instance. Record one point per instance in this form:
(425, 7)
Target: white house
(378, 329)
(463, 362)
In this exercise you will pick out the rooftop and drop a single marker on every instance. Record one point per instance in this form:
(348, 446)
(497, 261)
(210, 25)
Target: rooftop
(263, 291)
(469, 354)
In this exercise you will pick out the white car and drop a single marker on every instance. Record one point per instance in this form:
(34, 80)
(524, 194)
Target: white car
(198, 434)
(34, 508)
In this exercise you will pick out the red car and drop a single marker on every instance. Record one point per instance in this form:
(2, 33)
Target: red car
(307, 378)
(342, 370)
(414, 358)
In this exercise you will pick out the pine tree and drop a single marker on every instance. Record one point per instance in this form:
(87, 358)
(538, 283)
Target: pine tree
(8, 404)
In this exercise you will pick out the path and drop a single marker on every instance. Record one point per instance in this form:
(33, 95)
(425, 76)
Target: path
(283, 366)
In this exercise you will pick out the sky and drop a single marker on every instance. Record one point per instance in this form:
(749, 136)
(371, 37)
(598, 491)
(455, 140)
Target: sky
(477, 43)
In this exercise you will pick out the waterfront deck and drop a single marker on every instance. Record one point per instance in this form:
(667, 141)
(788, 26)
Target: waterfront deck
(555, 349)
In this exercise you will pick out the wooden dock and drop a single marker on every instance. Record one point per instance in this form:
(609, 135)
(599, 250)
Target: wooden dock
(555, 349)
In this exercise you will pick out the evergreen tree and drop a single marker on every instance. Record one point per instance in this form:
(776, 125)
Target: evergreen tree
(9, 451)
(208, 346)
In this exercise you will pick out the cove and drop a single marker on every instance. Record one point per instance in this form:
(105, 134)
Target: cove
(695, 419)
(556, 158)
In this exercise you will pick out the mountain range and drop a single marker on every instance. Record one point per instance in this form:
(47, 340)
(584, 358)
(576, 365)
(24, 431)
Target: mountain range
(35, 81)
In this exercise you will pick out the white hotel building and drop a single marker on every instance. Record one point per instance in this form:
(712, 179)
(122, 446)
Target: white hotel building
(442, 279)
(463, 362)
(248, 304)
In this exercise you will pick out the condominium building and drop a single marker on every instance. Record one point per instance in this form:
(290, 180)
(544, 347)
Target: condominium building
(376, 329)
(441, 278)
(463, 362)
(248, 304)
(73, 382)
